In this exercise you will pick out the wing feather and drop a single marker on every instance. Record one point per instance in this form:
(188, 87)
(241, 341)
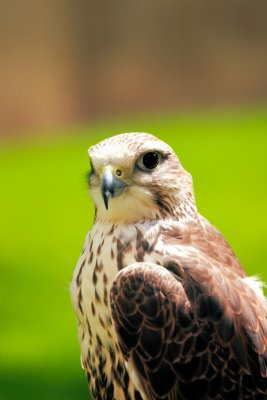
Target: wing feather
(191, 329)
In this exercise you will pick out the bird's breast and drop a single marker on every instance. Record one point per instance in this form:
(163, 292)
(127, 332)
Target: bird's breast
(107, 249)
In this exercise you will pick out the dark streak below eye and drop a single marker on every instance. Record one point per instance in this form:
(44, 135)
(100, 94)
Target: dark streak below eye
(160, 202)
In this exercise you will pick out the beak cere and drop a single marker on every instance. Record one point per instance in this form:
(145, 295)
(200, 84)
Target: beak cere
(110, 186)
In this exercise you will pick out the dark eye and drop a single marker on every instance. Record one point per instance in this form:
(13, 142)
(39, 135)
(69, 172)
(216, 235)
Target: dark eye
(92, 168)
(149, 161)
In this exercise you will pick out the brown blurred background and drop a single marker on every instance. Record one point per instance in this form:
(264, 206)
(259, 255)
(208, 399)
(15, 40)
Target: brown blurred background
(66, 62)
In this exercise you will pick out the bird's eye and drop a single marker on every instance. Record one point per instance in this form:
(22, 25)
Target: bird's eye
(149, 161)
(92, 167)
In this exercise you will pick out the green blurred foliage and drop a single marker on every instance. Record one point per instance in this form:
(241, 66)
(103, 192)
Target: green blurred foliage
(46, 213)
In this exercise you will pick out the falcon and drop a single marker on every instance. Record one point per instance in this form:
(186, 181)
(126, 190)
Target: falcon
(165, 310)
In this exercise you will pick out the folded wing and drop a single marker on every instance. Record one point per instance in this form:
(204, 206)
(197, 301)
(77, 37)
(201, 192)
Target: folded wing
(191, 329)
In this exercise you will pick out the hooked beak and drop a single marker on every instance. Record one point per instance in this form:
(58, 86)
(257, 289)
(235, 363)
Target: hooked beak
(110, 186)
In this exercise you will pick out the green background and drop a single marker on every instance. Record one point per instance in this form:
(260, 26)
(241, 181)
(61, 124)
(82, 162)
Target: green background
(45, 214)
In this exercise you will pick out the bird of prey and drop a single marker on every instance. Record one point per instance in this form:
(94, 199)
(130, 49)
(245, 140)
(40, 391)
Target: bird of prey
(165, 310)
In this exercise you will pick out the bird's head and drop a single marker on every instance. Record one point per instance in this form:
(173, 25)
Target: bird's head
(136, 177)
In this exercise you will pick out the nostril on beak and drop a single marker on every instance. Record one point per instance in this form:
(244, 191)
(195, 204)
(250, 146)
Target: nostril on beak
(119, 172)
(111, 186)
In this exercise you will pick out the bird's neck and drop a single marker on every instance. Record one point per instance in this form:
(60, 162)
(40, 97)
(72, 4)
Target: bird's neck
(179, 206)
(186, 206)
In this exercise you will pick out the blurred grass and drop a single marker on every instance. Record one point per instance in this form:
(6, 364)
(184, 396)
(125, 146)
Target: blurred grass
(45, 214)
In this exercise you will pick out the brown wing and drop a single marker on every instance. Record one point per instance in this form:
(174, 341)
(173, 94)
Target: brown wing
(191, 330)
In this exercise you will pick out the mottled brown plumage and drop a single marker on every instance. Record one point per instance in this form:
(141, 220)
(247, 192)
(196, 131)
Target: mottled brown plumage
(164, 307)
